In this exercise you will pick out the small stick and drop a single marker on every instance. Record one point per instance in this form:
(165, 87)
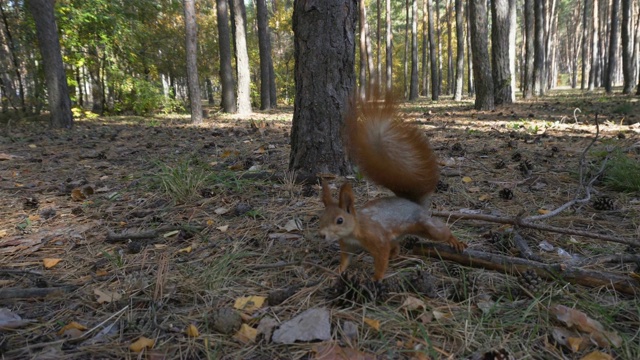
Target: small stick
(21, 293)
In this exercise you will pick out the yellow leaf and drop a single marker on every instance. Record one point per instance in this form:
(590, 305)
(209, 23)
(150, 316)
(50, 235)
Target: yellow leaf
(484, 197)
(246, 334)
(474, 189)
(209, 222)
(34, 217)
(187, 250)
(72, 325)
(171, 233)
(192, 331)
(597, 355)
(122, 223)
(33, 146)
(543, 211)
(574, 343)
(141, 344)
(3, 233)
(249, 303)
(49, 263)
(375, 324)
(467, 179)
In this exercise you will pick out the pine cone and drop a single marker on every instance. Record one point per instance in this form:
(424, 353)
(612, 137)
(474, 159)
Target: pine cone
(506, 194)
(603, 203)
(531, 281)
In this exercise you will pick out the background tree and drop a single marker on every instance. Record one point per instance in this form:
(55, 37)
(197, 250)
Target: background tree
(627, 47)
(585, 45)
(425, 47)
(57, 89)
(613, 47)
(389, 47)
(192, 62)
(325, 80)
(226, 71)
(457, 94)
(413, 92)
(539, 73)
(480, 47)
(500, 31)
(435, 88)
(242, 59)
(266, 64)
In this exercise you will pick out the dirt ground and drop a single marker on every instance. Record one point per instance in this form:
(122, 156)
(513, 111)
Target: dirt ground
(128, 228)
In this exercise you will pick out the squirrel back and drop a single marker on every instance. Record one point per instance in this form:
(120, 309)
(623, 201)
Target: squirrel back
(390, 152)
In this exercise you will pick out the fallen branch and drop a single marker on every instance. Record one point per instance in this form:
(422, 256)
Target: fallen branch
(150, 234)
(510, 265)
(30, 293)
(517, 221)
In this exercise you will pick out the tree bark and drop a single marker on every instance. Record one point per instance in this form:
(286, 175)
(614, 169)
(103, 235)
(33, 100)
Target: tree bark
(438, 46)
(449, 49)
(191, 30)
(594, 47)
(585, 46)
(433, 56)
(8, 52)
(513, 26)
(627, 55)
(425, 47)
(480, 48)
(363, 49)
(500, 29)
(264, 47)
(389, 48)
(406, 50)
(57, 88)
(378, 46)
(470, 79)
(460, 51)
(413, 92)
(242, 59)
(612, 63)
(324, 50)
(529, 20)
(226, 71)
(539, 73)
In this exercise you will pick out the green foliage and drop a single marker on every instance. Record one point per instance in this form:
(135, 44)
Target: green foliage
(626, 109)
(623, 173)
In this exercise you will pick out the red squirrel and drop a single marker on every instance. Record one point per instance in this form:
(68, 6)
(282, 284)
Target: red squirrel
(397, 156)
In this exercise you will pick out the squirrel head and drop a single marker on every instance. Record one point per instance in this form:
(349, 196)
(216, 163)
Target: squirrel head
(338, 220)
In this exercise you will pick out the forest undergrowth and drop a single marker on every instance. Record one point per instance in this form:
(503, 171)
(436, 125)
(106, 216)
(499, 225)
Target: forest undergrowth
(149, 237)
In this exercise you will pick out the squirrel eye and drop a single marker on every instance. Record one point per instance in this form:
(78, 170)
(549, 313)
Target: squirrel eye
(339, 220)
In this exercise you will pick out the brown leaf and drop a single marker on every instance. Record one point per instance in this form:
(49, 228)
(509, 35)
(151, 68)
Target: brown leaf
(49, 262)
(249, 303)
(246, 334)
(582, 322)
(72, 325)
(373, 323)
(192, 331)
(597, 355)
(106, 296)
(332, 351)
(77, 195)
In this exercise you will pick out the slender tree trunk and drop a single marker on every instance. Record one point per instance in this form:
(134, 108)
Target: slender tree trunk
(406, 50)
(435, 94)
(363, 50)
(55, 76)
(449, 49)
(439, 46)
(627, 56)
(226, 71)
(470, 79)
(389, 48)
(513, 26)
(192, 63)
(242, 58)
(413, 92)
(264, 47)
(460, 51)
(613, 47)
(500, 28)
(425, 46)
(378, 44)
(9, 52)
(209, 86)
(481, 63)
(529, 20)
(539, 73)
(324, 50)
(585, 46)
(594, 47)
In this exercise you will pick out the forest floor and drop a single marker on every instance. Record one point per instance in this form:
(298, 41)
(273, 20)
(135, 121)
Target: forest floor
(132, 233)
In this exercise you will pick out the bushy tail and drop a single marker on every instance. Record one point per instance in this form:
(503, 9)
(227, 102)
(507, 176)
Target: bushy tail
(390, 152)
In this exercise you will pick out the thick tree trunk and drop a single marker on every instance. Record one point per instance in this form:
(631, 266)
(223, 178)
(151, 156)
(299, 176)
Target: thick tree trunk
(264, 47)
(529, 20)
(192, 63)
(501, 72)
(389, 48)
(480, 48)
(435, 94)
(57, 88)
(324, 51)
(627, 55)
(613, 47)
(539, 73)
(460, 51)
(226, 71)
(242, 59)
(413, 92)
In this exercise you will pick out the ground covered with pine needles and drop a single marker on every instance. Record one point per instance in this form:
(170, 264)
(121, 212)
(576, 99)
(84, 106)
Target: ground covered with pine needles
(132, 237)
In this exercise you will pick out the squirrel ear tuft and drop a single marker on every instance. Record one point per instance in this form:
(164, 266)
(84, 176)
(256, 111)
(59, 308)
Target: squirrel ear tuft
(347, 199)
(326, 194)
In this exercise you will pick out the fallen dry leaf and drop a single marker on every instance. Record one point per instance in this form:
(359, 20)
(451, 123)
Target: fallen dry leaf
(141, 344)
(49, 262)
(249, 303)
(223, 228)
(246, 334)
(467, 179)
(597, 355)
(192, 331)
(333, 351)
(106, 296)
(187, 250)
(375, 324)
(412, 303)
(72, 325)
(77, 195)
(582, 322)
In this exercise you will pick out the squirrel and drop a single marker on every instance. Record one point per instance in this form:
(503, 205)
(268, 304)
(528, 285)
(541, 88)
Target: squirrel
(398, 156)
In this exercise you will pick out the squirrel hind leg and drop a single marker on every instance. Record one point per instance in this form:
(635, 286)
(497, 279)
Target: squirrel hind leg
(456, 244)
(435, 230)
